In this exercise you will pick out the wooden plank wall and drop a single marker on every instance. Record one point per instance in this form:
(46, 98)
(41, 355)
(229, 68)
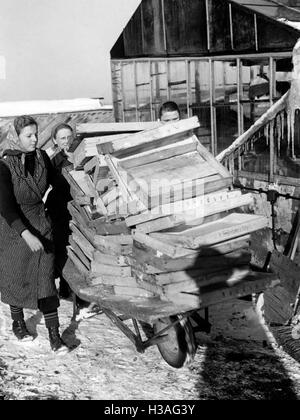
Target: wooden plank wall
(166, 28)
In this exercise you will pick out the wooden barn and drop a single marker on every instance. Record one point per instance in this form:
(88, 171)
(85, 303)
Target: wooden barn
(225, 61)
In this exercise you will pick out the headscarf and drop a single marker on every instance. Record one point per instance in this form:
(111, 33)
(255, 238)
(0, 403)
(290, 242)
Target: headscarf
(14, 147)
(13, 143)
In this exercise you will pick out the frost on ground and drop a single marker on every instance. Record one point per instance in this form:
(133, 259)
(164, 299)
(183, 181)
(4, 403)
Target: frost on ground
(234, 362)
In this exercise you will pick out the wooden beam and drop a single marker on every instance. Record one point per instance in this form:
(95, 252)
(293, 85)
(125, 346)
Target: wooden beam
(207, 24)
(263, 120)
(101, 129)
(231, 26)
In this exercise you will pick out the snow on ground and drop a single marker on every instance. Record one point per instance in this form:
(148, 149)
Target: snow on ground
(233, 363)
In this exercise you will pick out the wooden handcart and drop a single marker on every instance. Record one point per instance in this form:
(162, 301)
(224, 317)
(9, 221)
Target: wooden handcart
(159, 258)
(170, 326)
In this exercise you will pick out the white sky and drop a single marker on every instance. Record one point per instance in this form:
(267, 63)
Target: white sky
(59, 49)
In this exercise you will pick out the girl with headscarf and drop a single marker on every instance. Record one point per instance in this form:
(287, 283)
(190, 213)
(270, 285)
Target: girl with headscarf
(26, 244)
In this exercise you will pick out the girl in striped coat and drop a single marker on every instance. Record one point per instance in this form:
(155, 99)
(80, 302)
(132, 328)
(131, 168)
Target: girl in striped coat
(26, 244)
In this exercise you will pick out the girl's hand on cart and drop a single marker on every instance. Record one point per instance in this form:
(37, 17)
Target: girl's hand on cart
(32, 241)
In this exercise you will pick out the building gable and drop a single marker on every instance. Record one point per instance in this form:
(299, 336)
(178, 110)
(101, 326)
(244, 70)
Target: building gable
(170, 28)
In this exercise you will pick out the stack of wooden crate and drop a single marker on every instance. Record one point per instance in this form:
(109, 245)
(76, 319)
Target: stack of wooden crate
(154, 214)
(101, 242)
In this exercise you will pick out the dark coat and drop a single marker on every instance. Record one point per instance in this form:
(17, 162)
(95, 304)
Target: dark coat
(26, 276)
(57, 206)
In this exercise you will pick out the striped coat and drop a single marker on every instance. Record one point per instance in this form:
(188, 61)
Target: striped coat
(26, 276)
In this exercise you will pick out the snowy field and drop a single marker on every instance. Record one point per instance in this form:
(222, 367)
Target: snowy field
(235, 362)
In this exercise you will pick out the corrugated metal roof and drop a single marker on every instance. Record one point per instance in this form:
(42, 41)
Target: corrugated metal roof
(286, 11)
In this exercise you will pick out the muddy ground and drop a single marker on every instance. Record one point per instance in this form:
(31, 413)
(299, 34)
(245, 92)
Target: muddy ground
(239, 360)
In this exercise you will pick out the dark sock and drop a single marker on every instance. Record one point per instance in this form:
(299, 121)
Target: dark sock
(51, 319)
(17, 314)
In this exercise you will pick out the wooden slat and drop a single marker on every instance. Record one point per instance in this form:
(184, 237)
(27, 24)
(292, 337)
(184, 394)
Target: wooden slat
(165, 134)
(152, 288)
(118, 208)
(195, 284)
(76, 215)
(161, 153)
(81, 180)
(219, 168)
(87, 149)
(175, 170)
(190, 189)
(132, 292)
(111, 195)
(98, 269)
(108, 128)
(230, 227)
(100, 206)
(104, 185)
(202, 206)
(91, 164)
(261, 122)
(160, 247)
(113, 281)
(76, 261)
(113, 260)
(141, 251)
(90, 187)
(163, 223)
(103, 228)
(79, 253)
(72, 182)
(107, 246)
(127, 195)
(85, 245)
(209, 273)
(121, 239)
(130, 202)
(209, 263)
(214, 211)
(241, 287)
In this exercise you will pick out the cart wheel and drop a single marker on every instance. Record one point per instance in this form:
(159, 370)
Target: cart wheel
(179, 349)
